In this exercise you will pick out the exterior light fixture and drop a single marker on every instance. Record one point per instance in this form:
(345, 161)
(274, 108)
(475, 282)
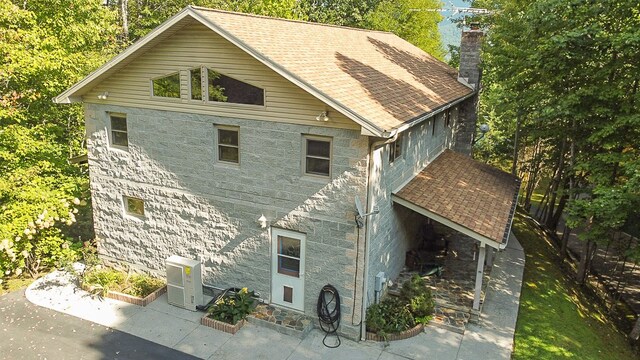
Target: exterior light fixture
(262, 220)
(484, 128)
(324, 116)
(103, 96)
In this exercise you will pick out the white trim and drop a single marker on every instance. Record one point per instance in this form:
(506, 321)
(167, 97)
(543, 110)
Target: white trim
(445, 221)
(68, 96)
(328, 139)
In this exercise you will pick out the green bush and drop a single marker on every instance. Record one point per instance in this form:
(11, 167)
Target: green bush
(415, 293)
(233, 309)
(391, 315)
(103, 280)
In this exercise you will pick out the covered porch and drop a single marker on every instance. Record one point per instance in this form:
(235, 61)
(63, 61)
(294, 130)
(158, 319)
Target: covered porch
(467, 208)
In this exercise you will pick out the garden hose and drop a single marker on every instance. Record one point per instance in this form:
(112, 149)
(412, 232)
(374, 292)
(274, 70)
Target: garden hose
(329, 313)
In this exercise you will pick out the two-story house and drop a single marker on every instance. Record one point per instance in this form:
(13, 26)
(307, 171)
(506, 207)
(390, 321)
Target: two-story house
(244, 141)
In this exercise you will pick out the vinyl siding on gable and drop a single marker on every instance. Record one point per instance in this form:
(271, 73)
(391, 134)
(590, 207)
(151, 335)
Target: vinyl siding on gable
(196, 46)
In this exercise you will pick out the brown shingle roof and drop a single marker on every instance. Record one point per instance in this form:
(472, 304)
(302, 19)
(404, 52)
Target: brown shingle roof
(377, 75)
(469, 193)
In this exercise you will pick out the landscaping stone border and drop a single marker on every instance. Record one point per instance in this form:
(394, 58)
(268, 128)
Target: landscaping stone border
(399, 336)
(220, 325)
(130, 298)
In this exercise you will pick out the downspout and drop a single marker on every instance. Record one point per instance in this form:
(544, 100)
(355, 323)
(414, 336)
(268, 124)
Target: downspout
(367, 233)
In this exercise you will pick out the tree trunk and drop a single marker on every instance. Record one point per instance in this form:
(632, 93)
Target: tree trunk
(634, 335)
(557, 180)
(553, 221)
(514, 166)
(124, 14)
(585, 262)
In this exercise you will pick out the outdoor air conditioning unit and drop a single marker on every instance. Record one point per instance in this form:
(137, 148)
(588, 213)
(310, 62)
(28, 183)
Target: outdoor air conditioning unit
(184, 282)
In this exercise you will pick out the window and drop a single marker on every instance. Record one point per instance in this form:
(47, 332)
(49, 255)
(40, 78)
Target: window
(167, 86)
(228, 145)
(447, 118)
(222, 88)
(133, 206)
(195, 77)
(317, 152)
(119, 135)
(433, 131)
(395, 149)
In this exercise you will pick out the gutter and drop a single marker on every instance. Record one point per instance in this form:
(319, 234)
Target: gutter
(367, 233)
(513, 211)
(428, 115)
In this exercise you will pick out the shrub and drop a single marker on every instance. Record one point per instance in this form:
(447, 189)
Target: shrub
(415, 293)
(103, 280)
(233, 308)
(391, 315)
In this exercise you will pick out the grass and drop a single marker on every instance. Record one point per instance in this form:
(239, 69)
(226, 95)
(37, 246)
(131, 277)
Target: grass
(556, 320)
(14, 284)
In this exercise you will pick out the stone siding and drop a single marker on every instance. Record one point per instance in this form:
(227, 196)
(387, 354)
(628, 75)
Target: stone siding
(201, 209)
(395, 227)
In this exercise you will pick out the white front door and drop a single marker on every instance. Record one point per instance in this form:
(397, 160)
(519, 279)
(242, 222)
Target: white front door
(287, 268)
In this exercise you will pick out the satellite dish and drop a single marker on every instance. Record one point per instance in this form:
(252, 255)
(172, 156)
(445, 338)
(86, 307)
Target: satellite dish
(359, 207)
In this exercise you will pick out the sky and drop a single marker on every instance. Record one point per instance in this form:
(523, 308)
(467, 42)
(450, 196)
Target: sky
(449, 32)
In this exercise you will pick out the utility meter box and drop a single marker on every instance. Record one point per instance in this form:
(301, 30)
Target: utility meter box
(184, 282)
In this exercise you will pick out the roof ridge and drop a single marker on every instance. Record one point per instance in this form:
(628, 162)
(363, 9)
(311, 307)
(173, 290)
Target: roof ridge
(289, 20)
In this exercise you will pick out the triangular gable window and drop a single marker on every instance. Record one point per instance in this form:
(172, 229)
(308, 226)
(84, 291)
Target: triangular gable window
(167, 86)
(227, 89)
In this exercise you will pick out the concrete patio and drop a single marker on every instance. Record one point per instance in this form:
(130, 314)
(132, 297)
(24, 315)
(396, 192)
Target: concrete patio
(180, 329)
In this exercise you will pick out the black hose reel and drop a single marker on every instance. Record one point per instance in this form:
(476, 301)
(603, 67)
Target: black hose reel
(329, 313)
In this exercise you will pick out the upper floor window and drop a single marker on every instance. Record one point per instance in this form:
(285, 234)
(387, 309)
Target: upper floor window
(167, 86)
(447, 118)
(119, 136)
(395, 149)
(223, 88)
(228, 144)
(195, 79)
(317, 153)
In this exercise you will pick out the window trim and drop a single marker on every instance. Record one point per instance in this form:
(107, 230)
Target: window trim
(191, 87)
(154, 96)
(392, 153)
(125, 207)
(328, 139)
(111, 115)
(218, 144)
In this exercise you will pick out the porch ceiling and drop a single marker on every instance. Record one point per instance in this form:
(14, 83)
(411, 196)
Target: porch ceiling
(466, 195)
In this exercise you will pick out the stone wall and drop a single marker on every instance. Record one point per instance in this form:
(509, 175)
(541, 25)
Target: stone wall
(395, 227)
(201, 209)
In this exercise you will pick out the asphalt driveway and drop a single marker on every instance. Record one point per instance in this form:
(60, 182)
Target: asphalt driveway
(33, 332)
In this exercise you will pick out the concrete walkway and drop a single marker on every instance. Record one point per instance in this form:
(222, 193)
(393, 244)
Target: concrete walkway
(181, 330)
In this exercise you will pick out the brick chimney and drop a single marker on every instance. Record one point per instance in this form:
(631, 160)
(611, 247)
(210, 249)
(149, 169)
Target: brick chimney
(470, 74)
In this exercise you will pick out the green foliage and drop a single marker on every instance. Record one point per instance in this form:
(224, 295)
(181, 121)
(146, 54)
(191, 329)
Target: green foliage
(391, 315)
(234, 308)
(415, 293)
(102, 280)
(417, 27)
(573, 81)
(555, 319)
(45, 46)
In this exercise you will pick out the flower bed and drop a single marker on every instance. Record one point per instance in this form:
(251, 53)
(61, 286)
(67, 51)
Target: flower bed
(138, 289)
(396, 336)
(135, 299)
(222, 326)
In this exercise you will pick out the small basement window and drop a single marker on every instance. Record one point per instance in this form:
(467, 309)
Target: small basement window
(317, 152)
(167, 86)
(133, 206)
(222, 88)
(395, 149)
(228, 145)
(119, 135)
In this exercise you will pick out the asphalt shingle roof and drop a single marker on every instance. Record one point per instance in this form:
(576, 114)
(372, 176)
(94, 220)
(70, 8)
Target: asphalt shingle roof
(377, 75)
(467, 192)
